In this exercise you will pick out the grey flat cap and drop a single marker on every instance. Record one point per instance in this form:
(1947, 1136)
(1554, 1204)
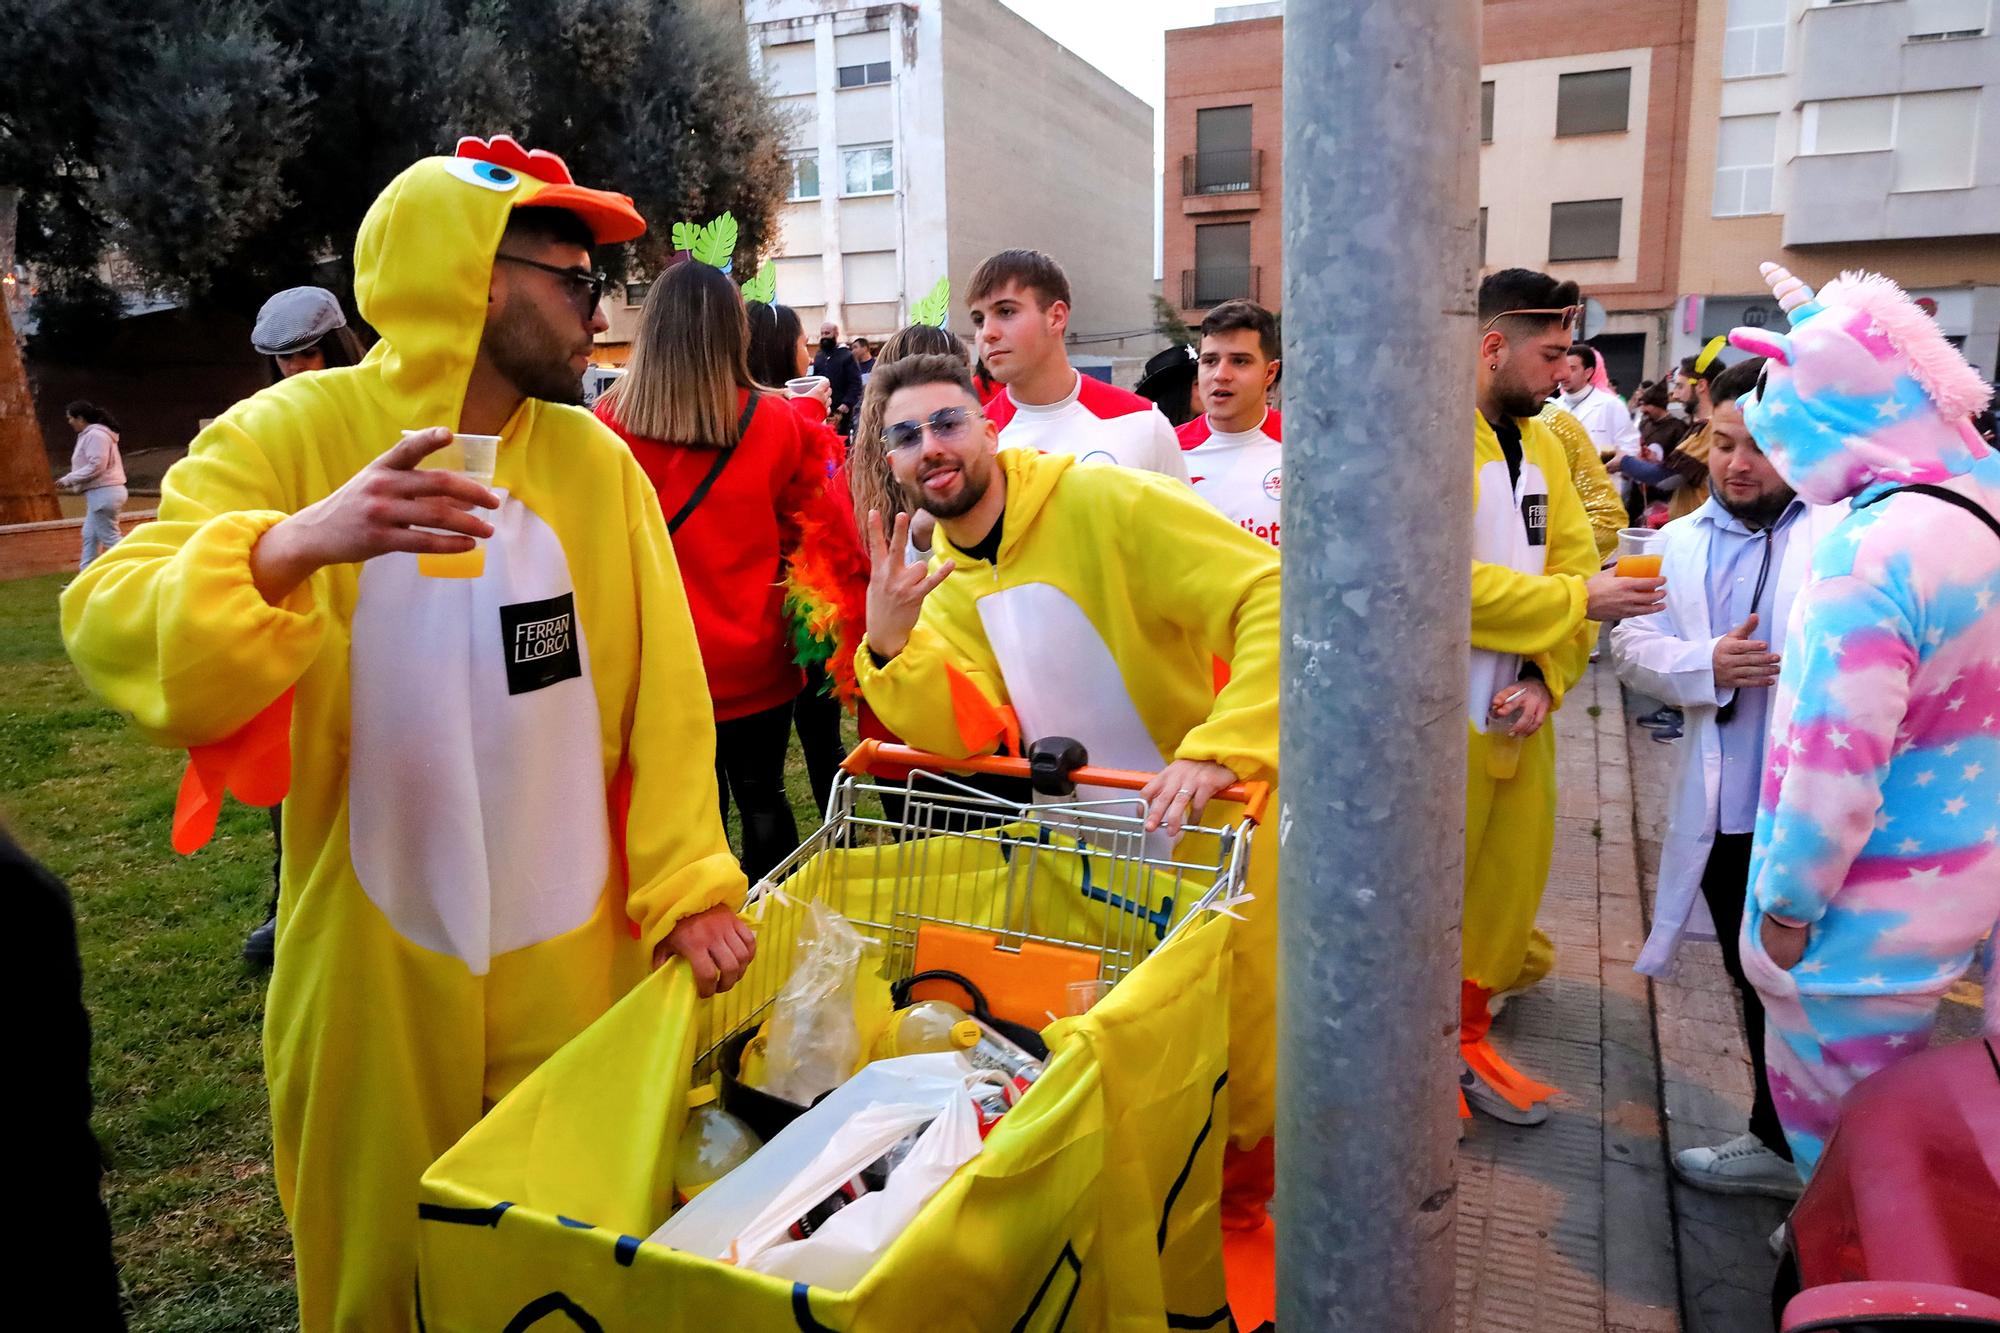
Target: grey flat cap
(295, 319)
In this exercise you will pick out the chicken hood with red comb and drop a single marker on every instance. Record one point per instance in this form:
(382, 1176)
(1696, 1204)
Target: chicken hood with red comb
(424, 259)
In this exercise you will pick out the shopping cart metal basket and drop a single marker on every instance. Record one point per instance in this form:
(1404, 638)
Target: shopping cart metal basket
(1092, 1204)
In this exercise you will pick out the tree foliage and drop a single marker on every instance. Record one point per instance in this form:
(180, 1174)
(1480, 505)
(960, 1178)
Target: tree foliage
(225, 150)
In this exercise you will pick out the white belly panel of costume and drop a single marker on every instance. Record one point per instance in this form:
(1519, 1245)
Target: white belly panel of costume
(477, 819)
(1509, 527)
(1063, 681)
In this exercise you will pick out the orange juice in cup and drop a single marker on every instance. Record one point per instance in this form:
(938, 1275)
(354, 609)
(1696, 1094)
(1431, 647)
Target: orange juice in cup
(1638, 553)
(470, 456)
(1637, 567)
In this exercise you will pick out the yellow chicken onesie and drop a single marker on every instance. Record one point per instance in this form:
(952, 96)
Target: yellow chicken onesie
(462, 889)
(1531, 554)
(1113, 595)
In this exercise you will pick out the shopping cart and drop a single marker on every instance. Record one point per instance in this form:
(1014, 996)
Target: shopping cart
(1068, 870)
(1092, 1204)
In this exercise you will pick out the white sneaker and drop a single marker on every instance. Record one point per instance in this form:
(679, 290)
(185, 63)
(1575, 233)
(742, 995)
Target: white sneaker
(1482, 1098)
(1741, 1166)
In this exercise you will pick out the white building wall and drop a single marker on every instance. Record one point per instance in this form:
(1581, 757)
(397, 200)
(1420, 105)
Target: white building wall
(1526, 168)
(848, 255)
(1047, 152)
(863, 258)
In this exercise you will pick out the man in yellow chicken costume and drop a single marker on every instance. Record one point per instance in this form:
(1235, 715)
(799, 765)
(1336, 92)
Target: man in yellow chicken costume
(503, 806)
(1536, 590)
(1091, 603)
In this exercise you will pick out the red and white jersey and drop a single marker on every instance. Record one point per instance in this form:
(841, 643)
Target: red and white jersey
(1238, 472)
(1098, 422)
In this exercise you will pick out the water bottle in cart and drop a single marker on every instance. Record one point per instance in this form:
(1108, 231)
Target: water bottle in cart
(925, 1028)
(713, 1144)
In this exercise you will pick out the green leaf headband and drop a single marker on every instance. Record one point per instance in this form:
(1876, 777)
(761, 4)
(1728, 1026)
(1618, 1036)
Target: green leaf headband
(714, 244)
(763, 287)
(934, 309)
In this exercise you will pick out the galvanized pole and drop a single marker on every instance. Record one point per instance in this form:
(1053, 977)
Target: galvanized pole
(1381, 212)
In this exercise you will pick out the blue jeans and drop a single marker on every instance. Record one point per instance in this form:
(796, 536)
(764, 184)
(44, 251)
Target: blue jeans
(100, 520)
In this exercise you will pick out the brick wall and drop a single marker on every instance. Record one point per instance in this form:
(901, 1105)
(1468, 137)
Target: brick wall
(1226, 64)
(28, 549)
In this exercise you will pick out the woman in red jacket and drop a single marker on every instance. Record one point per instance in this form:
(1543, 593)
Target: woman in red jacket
(778, 352)
(739, 474)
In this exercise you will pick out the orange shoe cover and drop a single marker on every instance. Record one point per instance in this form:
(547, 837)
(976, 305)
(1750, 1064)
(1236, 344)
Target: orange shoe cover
(1474, 1022)
(1249, 1179)
(1250, 1265)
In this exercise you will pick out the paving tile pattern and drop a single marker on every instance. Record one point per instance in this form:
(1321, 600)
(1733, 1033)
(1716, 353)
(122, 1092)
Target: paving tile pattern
(1565, 1226)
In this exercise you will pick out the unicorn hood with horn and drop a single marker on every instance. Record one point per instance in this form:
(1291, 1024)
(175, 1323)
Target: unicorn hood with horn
(1862, 389)
(1877, 848)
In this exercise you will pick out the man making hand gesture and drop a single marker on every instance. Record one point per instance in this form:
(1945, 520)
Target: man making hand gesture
(1093, 603)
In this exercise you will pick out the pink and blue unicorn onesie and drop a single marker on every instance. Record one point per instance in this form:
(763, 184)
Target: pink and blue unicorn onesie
(1879, 815)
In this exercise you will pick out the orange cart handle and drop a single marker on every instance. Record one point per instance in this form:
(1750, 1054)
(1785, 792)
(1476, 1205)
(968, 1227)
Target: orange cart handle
(871, 758)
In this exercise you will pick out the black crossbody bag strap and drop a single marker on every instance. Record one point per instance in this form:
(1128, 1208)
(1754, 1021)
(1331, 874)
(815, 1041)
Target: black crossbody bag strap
(1969, 505)
(714, 469)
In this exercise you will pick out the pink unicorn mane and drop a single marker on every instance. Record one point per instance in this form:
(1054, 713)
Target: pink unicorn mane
(1934, 363)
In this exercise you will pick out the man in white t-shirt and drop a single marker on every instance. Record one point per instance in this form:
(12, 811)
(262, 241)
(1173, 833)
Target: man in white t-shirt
(1234, 454)
(1603, 413)
(1020, 311)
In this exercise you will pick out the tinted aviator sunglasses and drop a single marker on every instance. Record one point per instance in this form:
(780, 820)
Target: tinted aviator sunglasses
(585, 289)
(948, 425)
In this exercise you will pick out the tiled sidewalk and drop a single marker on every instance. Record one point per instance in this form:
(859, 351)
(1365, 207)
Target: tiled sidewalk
(1566, 1226)
(1579, 1224)
(1725, 1267)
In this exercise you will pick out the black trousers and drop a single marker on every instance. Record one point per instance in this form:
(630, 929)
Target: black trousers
(750, 768)
(816, 716)
(1724, 883)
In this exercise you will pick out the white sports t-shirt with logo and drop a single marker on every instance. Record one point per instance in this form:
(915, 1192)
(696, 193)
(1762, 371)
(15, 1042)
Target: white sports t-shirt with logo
(1238, 472)
(1097, 422)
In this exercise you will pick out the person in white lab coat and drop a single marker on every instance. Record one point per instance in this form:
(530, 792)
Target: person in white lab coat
(1733, 568)
(1603, 413)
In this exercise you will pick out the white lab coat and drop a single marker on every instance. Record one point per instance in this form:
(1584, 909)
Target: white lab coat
(1670, 656)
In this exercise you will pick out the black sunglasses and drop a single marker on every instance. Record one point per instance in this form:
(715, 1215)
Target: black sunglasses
(948, 425)
(580, 284)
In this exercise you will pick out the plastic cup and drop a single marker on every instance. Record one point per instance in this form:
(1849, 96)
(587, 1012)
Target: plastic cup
(805, 385)
(1638, 553)
(472, 456)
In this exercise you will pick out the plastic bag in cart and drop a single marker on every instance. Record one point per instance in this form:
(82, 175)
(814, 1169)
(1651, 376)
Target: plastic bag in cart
(712, 1219)
(845, 1246)
(814, 1041)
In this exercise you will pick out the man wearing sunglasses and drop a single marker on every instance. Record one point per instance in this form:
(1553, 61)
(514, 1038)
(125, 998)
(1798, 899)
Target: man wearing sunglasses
(1732, 570)
(1093, 603)
(1536, 588)
(499, 784)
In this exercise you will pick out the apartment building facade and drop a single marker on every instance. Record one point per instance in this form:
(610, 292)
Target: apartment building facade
(929, 134)
(1845, 134)
(1222, 235)
(1582, 135)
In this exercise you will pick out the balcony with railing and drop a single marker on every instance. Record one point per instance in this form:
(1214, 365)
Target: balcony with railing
(1222, 181)
(1211, 286)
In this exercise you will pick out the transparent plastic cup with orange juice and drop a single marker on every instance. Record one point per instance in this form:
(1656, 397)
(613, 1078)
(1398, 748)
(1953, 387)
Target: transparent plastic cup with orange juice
(470, 456)
(1638, 553)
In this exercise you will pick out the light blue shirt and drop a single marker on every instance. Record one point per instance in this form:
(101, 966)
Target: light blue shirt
(1735, 556)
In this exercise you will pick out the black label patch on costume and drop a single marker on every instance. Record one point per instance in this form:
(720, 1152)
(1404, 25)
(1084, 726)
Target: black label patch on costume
(1535, 518)
(539, 639)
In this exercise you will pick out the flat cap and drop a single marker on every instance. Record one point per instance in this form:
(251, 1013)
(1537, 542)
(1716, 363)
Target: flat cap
(295, 319)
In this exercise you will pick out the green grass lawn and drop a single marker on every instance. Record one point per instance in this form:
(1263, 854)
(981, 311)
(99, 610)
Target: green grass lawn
(181, 1110)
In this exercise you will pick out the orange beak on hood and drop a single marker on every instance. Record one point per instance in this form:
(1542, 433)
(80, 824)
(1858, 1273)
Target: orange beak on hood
(611, 217)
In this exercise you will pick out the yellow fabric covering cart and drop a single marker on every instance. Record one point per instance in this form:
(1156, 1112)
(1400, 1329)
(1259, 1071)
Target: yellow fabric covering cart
(1093, 1203)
